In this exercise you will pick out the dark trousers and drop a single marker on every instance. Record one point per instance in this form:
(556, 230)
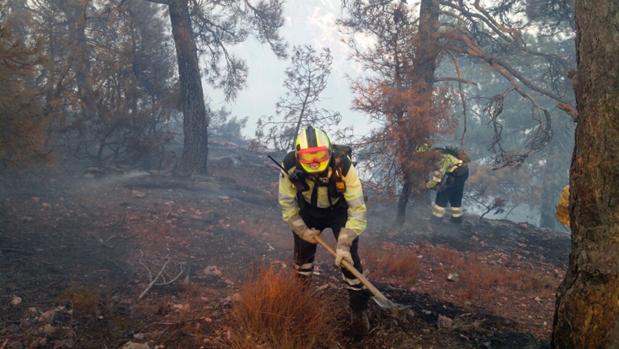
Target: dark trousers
(304, 252)
(453, 191)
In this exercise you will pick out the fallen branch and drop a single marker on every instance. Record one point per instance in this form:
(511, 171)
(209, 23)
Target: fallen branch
(165, 278)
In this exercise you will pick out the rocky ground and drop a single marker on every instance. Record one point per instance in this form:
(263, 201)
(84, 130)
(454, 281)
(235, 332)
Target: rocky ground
(112, 258)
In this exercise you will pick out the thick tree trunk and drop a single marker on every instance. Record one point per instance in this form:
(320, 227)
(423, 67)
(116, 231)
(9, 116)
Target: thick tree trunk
(421, 78)
(587, 313)
(195, 120)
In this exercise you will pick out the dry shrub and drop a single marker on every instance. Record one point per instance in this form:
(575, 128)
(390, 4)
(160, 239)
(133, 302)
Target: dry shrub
(84, 301)
(478, 279)
(275, 311)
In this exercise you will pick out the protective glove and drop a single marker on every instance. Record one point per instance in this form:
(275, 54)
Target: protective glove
(309, 235)
(342, 249)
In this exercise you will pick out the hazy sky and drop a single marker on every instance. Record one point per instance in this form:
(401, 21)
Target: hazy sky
(306, 22)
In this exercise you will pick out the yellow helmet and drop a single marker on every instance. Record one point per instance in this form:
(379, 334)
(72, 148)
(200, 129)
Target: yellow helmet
(313, 150)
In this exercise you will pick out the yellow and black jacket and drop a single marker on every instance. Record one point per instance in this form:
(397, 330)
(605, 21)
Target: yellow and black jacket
(339, 185)
(449, 164)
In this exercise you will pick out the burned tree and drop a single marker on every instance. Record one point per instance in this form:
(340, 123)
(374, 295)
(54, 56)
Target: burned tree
(587, 311)
(22, 122)
(213, 25)
(306, 79)
(451, 33)
(400, 94)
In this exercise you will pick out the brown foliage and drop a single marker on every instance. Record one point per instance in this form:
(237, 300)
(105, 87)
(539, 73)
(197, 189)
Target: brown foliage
(276, 311)
(22, 124)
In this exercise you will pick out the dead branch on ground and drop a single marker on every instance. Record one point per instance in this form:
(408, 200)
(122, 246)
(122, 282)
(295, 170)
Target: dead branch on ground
(162, 278)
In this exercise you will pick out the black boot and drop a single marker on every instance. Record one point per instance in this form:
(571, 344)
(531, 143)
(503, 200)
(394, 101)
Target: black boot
(359, 324)
(359, 321)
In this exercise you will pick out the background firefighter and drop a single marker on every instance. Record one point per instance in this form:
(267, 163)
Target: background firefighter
(448, 180)
(322, 190)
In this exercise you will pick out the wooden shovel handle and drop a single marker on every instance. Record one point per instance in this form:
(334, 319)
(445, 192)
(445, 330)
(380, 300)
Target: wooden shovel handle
(376, 292)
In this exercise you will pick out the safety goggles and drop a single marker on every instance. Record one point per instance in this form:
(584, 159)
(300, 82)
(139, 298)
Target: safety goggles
(314, 154)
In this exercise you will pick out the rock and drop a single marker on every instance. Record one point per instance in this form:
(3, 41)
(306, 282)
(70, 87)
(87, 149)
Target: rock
(47, 316)
(444, 322)
(138, 194)
(15, 301)
(139, 336)
(212, 270)
(538, 299)
(223, 197)
(453, 277)
(134, 345)
(26, 219)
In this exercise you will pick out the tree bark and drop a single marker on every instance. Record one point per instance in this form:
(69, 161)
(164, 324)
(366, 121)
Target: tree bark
(195, 120)
(587, 309)
(421, 78)
(80, 57)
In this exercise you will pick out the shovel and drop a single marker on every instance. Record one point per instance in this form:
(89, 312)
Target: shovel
(379, 297)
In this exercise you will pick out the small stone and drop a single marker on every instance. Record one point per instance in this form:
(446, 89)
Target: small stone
(212, 270)
(46, 205)
(47, 316)
(26, 219)
(139, 336)
(444, 322)
(538, 299)
(15, 301)
(223, 197)
(453, 277)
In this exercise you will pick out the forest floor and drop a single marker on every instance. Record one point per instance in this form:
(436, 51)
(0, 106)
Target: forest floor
(76, 252)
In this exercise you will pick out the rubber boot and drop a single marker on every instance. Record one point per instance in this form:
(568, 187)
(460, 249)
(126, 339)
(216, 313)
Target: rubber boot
(359, 324)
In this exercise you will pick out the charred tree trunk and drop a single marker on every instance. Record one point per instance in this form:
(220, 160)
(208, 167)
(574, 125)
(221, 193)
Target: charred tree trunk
(587, 309)
(195, 121)
(80, 58)
(421, 78)
(407, 186)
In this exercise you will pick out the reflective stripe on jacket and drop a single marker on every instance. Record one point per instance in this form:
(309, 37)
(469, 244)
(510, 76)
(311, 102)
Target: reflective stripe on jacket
(353, 195)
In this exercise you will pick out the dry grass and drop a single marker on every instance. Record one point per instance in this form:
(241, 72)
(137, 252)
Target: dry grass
(392, 262)
(275, 311)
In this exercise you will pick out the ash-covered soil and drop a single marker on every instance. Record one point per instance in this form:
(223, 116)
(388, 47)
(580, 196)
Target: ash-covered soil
(77, 251)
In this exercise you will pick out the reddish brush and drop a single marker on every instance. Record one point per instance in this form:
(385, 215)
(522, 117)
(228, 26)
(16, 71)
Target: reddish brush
(275, 311)
(393, 262)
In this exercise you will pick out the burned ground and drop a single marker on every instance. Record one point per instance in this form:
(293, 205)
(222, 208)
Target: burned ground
(76, 252)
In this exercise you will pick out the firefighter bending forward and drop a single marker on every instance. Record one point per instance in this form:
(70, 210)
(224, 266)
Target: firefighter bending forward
(322, 190)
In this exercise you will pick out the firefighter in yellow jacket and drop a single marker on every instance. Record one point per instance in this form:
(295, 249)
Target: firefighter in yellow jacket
(322, 190)
(448, 180)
